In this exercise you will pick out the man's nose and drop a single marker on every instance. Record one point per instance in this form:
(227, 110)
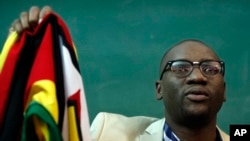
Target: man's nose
(196, 76)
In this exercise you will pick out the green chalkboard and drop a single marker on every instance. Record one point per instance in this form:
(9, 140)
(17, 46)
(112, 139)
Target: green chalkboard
(120, 44)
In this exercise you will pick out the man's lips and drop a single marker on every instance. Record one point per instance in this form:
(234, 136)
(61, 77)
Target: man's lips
(197, 95)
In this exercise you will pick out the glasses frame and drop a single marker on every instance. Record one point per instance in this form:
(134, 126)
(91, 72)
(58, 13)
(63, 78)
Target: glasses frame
(169, 65)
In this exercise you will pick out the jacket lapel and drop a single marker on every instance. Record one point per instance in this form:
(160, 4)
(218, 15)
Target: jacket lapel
(154, 132)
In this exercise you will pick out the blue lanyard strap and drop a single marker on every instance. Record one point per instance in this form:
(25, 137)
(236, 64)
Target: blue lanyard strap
(168, 134)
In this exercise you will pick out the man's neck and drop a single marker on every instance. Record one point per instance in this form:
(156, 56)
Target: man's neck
(201, 133)
(205, 134)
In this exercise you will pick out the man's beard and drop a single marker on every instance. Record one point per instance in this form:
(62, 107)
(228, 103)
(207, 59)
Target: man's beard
(194, 120)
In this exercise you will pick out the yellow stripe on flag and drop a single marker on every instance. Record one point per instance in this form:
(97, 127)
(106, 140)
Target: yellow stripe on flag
(6, 48)
(44, 92)
(73, 132)
(75, 50)
(41, 128)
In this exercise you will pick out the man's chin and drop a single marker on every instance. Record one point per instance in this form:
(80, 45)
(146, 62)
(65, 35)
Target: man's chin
(196, 119)
(196, 111)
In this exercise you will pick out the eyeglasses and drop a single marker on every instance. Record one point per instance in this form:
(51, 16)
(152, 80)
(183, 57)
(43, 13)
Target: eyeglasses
(183, 68)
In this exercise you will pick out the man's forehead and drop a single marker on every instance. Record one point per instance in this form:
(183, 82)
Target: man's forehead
(191, 50)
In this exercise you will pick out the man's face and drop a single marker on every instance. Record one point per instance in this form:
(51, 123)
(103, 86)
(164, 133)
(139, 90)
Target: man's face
(194, 96)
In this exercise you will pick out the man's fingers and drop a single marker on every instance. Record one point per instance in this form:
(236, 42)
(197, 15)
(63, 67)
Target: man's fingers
(45, 10)
(16, 26)
(29, 20)
(24, 18)
(33, 16)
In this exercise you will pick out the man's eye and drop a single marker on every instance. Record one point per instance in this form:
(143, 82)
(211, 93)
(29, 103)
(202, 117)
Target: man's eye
(210, 70)
(181, 68)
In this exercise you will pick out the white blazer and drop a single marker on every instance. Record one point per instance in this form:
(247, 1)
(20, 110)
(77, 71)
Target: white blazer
(116, 127)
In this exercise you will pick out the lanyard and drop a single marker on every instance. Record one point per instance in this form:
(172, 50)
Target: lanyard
(168, 134)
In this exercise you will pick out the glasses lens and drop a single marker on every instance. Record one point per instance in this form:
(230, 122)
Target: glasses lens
(181, 68)
(210, 67)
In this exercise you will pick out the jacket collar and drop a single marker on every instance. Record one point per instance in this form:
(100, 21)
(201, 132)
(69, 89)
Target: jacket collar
(153, 132)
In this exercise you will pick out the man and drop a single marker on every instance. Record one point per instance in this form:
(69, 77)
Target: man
(191, 86)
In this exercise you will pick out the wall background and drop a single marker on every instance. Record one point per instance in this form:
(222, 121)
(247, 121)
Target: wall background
(120, 44)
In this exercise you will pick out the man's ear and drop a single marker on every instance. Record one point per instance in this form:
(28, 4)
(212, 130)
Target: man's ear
(158, 89)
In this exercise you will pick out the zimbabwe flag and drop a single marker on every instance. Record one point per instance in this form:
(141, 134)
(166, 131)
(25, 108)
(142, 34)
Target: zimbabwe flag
(41, 89)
